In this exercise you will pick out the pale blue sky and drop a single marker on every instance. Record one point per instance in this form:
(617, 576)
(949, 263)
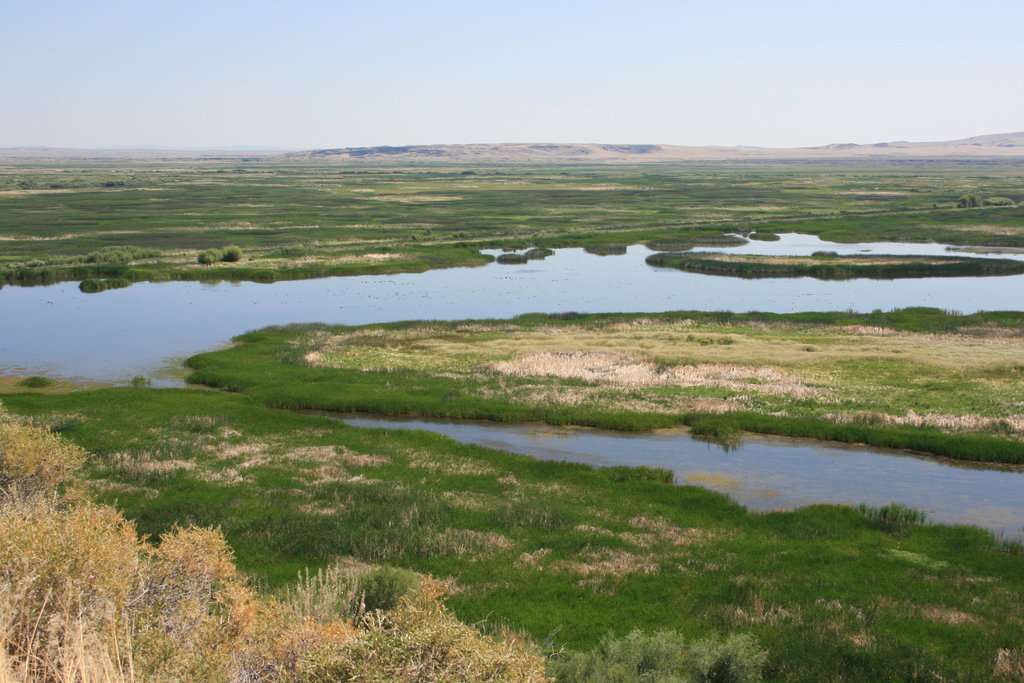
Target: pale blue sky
(339, 74)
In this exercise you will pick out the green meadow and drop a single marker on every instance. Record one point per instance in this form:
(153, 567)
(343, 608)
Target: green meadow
(561, 552)
(139, 221)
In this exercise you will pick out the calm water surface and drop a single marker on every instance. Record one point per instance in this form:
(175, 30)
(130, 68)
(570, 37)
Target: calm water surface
(766, 473)
(149, 328)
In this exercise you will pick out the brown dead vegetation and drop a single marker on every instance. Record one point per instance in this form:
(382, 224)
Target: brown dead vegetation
(632, 372)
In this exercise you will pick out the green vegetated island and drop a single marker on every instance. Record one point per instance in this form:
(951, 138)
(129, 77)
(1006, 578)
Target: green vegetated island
(565, 570)
(830, 266)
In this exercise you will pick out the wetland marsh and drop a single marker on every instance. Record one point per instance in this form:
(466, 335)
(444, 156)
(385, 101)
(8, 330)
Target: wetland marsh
(930, 364)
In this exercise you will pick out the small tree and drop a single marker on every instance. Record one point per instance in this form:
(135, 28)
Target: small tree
(231, 254)
(968, 201)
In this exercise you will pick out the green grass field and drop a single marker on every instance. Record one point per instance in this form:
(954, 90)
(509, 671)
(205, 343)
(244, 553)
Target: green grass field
(151, 221)
(538, 546)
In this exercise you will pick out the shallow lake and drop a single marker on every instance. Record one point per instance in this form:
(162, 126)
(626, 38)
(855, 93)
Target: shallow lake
(149, 328)
(766, 473)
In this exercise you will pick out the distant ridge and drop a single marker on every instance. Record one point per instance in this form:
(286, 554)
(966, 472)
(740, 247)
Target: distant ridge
(1001, 145)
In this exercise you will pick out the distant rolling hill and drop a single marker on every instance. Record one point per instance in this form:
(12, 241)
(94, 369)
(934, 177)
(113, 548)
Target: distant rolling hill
(1003, 145)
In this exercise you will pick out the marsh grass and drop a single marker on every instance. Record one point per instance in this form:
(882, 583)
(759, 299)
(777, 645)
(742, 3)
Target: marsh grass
(72, 224)
(538, 545)
(846, 377)
(831, 266)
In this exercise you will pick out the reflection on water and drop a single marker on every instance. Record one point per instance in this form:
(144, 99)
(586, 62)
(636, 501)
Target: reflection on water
(115, 335)
(768, 473)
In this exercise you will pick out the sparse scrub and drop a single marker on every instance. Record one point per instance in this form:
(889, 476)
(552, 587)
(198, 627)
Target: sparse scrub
(663, 657)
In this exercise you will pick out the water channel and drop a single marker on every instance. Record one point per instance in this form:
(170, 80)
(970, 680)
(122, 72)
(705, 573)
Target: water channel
(766, 473)
(149, 328)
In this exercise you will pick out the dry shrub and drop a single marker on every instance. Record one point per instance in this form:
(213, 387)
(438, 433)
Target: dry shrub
(83, 598)
(34, 460)
(422, 641)
(68, 578)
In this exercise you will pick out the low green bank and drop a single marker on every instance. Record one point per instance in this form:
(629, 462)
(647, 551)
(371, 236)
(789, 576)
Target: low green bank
(834, 377)
(834, 267)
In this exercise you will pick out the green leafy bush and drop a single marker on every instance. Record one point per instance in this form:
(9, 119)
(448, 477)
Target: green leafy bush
(658, 657)
(736, 658)
(231, 254)
(209, 256)
(381, 588)
(36, 382)
(968, 201)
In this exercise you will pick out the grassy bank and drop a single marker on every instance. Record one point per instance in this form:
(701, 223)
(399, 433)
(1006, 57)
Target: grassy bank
(539, 546)
(955, 390)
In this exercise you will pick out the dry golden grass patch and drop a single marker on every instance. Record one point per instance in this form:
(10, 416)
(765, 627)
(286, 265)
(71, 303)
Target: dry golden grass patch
(948, 615)
(609, 563)
(1009, 664)
(448, 465)
(142, 464)
(470, 542)
(665, 531)
(469, 500)
(680, 343)
(955, 423)
(633, 372)
(532, 559)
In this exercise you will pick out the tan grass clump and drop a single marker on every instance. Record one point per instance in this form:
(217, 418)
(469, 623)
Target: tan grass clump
(1009, 664)
(422, 641)
(627, 371)
(954, 423)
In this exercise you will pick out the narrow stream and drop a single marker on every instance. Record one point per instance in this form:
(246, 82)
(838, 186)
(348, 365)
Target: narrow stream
(767, 473)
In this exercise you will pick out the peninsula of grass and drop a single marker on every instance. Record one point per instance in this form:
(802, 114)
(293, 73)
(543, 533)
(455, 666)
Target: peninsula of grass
(552, 549)
(916, 379)
(830, 266)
